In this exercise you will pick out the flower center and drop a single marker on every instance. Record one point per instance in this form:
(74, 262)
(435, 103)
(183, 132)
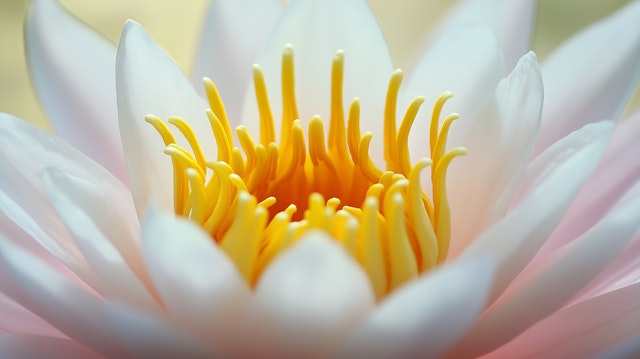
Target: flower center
(256, 202)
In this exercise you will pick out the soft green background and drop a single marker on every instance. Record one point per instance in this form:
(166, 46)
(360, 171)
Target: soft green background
(175, 27)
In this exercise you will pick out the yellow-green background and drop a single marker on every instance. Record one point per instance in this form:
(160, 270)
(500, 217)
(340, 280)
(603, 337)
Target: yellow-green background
(175, 25)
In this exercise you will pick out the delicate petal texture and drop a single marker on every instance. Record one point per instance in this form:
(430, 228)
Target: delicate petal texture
(555, 279)
(606, 66)
(307, 299)
(511, 21)
(556, 176)
(234, 34)
(200, 287)
(59, 301)
(426, 316)
(317, 29)
(149, 82)
(467, 62)
(580, 330)
(33, 346)
(15, 319)
(500, 144)
(73, 69)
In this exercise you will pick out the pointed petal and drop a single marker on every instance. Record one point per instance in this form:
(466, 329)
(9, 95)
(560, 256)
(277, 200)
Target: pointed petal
(149, 82)
(425, 317)
(308, 298)
(72, 68)
(605, 60)
(500, 144)
(34, 346)
(200, 286)
(511, 21)
(234, 34)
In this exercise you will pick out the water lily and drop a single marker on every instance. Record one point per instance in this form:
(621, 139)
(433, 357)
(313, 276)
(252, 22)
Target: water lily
(147, 228)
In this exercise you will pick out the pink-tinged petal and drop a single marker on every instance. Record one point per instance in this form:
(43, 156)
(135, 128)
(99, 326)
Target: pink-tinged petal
(307, 299)
(151, 337)
(200, 287)
(580, 330)
(617, 171)
(627, 349)
(604, 60)
(115, 276)
(556, 176)
(317, 29)
(149, 82)
(467, 62)
(34, 346)
(234, 34)
(16, 319)
(426, 316)
(55, 298)
(73, 70)
(499, 145)
(551, 282)
(511, 21)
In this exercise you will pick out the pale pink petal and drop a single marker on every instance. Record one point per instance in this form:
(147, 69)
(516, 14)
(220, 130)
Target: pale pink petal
(317, 29)
(426, 316)
(200, 287)
(234, 34)
(591, 76)
(511, 21)
(627, 349)
(34, 346)
(149, 82)
(499, 146)
(16, 319)
(307, 299)
(73, 70)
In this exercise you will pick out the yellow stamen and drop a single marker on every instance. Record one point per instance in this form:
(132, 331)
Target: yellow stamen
(256, 200)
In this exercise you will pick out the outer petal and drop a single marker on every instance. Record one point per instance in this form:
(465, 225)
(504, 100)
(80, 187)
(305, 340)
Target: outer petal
(511, 21)
(604, 56)
(308, 299)
(34, 346)
(235, 33)
(199, 285)
(317, 29)
(500, 144)
(149, 82)
(425, 317)
(15, 319)
(73, 70)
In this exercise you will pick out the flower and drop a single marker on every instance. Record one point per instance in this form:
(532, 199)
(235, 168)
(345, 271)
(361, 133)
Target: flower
(544, 207)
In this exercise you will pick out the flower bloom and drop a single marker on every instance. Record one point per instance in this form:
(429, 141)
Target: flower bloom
(282, 244)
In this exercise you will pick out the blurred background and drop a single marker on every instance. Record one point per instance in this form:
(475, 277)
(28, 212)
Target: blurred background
(176, 27)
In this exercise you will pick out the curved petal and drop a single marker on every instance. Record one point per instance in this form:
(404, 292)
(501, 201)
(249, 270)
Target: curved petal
(34, 346)
(605, 60)
(16, 319)
(234, 34)
(317, 29)
(200, 287)
(307, 299)
(467, 62)
(511, 21)
(73, 70)
(500, 144)
(149, 82)
(425, 317)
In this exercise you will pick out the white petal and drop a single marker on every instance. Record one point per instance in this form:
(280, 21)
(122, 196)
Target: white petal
(426, 316)
(308, 298)
(56, 299)
(511, 21)
(200, 286)
(557, 176)
(557, 278)
(317, 29)
(34, 346)
(591, 76)
(235, 33)
(149, 82)
(115, 275)
(73, 70)
(14, 318)
(467, 62)
(500, 144)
